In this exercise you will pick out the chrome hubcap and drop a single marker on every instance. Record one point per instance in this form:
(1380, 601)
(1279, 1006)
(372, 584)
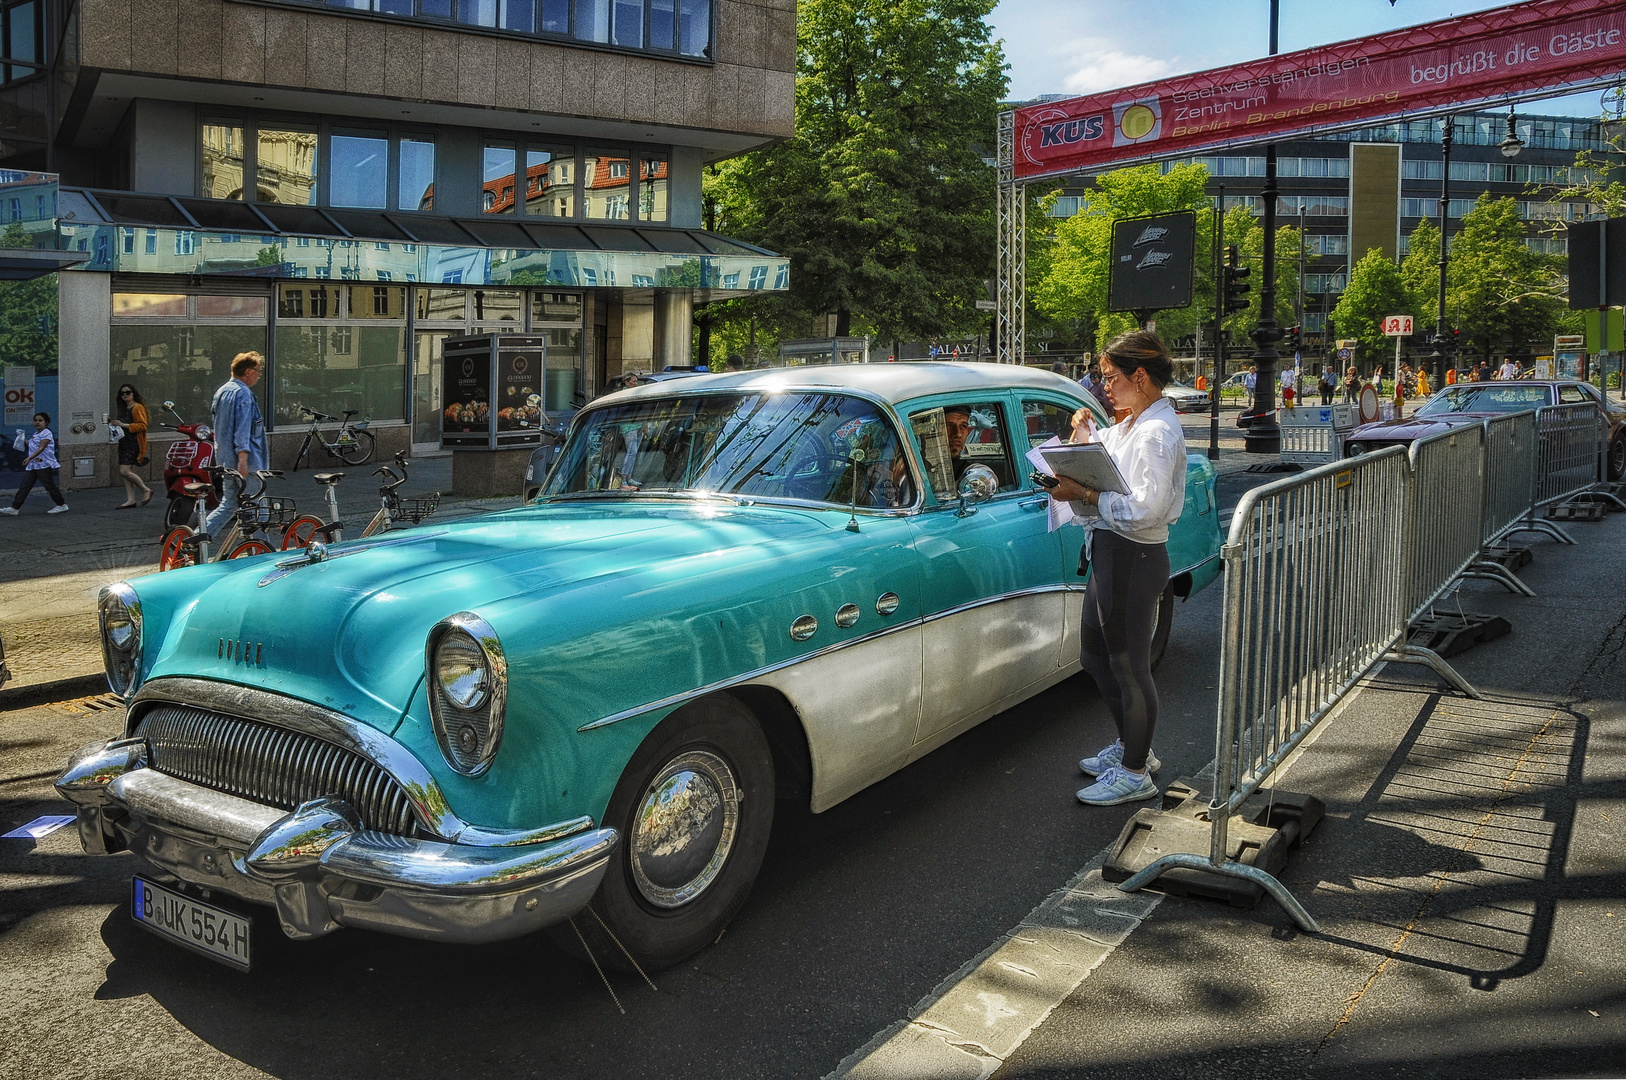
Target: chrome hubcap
(684, 828)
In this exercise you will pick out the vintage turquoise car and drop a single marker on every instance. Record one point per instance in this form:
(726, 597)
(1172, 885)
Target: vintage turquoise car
(733, 590)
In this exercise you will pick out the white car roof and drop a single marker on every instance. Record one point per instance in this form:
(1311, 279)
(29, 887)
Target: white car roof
(892, 382)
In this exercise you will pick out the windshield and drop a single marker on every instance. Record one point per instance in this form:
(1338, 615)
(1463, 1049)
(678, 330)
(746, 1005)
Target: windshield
(819, 447)
(1485, 397)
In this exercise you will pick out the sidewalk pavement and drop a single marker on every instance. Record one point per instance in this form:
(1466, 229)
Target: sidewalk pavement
(1468, 879)
(53, 566)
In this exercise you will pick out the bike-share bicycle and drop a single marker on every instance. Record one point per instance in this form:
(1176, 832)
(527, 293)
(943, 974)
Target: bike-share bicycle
(392, 508)
(352, 444)
(248, 535)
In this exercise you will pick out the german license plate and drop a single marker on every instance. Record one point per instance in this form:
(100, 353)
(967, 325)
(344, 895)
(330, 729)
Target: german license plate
(218, 934)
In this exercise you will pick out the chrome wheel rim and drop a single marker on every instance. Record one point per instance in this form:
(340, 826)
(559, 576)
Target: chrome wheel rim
(684, 828)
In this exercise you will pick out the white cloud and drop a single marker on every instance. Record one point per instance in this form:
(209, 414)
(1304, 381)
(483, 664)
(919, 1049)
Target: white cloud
(1097, 65)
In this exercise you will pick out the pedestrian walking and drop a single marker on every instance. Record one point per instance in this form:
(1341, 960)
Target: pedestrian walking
(1126, 551)
(1250, 380)
(1289, 380)
(1422, 383)
(239, 434)
(132, 418)
(39, 466)
(1482, 371)
(1508, 370)
(1329, 385)
(1352, 385)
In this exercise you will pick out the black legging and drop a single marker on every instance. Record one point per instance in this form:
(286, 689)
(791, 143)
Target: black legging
(1120, 615)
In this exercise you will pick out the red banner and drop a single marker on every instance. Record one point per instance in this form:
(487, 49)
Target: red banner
(1534, 49)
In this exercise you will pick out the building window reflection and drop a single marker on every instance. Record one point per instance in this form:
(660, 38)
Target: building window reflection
(359, 171)
(223, 161)
(498, 193)
(606, 185)
(550, 182)
(653, 177)
(285, 167)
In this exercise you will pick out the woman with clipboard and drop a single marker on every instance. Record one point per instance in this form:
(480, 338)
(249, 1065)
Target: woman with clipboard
(1126, 545)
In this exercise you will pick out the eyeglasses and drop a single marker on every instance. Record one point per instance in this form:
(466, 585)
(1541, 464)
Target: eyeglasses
(125, 393)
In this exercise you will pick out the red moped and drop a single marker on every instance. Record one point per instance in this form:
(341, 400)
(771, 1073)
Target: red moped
(187, 461)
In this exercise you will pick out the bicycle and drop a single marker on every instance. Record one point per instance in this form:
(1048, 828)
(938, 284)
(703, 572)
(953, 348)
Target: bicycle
(392, 508)
(353, 444)
(189, 545)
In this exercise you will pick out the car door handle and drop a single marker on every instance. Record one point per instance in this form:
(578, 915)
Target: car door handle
(1034, 504)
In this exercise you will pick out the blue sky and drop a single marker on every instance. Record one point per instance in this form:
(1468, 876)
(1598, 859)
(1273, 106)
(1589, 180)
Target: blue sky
(1081, 46)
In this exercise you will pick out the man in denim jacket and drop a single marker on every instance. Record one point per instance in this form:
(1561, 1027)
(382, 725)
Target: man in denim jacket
(239, 435)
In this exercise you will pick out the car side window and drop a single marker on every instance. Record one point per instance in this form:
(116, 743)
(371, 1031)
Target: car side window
(956, 436)
(1045, 420)
(1571, 395)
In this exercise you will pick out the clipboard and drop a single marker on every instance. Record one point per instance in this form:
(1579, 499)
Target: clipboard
(1088, 464)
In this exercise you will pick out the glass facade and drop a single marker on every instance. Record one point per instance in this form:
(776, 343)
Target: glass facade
(339, 348)
(285, 167)
(223, 161)
(550, 182)
(497, 164)
(416, 185)
(606, 185)
(179, 348)
(652, 187)
(23, 27)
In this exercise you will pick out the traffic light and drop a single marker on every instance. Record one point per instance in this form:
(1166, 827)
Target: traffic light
(1236, 282)
(1295, 338)
(1456, 337)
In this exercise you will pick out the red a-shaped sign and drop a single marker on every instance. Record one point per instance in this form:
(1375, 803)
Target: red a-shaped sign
(1397, 325)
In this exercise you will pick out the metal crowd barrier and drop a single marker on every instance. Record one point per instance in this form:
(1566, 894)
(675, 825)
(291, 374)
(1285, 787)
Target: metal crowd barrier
(1510, 481)
(1301, 629)
(1573, 443)
(1445, 503)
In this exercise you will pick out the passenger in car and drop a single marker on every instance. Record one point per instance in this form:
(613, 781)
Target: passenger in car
(957, 427)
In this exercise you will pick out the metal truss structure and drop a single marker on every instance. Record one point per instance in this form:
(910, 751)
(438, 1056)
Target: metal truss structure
(1010, 323)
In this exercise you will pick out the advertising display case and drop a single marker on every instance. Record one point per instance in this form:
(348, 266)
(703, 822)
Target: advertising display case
(492, 391)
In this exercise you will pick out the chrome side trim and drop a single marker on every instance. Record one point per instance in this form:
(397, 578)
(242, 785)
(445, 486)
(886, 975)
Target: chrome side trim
(724, 684)
(428, 801)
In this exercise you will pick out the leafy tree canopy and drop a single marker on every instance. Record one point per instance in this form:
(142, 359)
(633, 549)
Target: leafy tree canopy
(882, 199)
(1376, 290)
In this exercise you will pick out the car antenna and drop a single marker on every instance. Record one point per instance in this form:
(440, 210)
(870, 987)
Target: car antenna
(853, 459)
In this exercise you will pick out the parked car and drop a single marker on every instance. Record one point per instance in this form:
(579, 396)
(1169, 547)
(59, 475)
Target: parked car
(1186, 398)
(735, 590)
(1469, 403)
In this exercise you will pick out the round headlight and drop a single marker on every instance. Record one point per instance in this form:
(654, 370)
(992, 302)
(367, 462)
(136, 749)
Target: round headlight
(460, 667)
(119, 611)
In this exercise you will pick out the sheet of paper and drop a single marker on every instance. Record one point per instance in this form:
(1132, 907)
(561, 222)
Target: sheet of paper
(1060, 513)
(39, 827)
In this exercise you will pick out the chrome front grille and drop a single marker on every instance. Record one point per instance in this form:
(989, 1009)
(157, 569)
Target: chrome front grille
(271, 765)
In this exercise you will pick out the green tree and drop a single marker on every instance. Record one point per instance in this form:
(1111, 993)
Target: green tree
(1507, 295)
(28, 314)
(1376, 289)
(882, 199)
(1247, 232)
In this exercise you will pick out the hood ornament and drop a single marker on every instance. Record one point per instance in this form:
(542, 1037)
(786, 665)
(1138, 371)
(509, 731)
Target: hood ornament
(318, 552)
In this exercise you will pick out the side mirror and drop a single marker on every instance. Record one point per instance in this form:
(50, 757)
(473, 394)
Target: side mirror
(977, 485)
(169, 404)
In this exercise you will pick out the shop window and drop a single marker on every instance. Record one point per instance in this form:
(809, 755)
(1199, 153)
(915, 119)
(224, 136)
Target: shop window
(556, 308)
(498, 309)
(441, 305)
(550, 182)
(498, 195)
(222, 160)
(307, 302)
(606, 185)
(285, 167)
(332, 368)
(359, 171)
(377, 302)
(416, 187)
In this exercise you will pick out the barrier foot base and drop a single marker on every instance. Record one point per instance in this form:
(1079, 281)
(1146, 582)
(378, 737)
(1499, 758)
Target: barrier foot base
(1276, 889)
(1540, 526)
(1494, 571)
(1407, 653)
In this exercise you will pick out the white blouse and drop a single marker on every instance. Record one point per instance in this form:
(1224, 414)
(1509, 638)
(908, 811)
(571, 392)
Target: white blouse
(1150, 452)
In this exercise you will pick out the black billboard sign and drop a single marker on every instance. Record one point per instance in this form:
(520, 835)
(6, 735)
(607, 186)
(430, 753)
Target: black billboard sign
(1597, 263)
(1152, 262)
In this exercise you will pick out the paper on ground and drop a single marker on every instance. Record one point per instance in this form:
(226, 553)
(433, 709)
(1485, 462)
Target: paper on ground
(39, 827)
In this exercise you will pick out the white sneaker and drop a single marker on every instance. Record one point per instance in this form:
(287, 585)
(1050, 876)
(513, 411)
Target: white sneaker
(63, 509)
(1112, 757)
(1118, 786)
(8, 511)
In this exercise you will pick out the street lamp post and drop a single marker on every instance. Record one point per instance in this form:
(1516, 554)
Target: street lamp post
(1442, 344)
(1264, 435)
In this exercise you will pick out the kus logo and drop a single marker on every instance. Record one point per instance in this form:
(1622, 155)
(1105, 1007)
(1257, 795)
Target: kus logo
(1071, 131)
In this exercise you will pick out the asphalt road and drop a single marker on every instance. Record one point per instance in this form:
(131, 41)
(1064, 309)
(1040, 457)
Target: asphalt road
(858, 913)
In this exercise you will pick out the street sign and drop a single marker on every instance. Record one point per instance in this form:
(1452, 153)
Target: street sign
(1345, 354)
(1397, 325)
(987, 305)
(20, 404)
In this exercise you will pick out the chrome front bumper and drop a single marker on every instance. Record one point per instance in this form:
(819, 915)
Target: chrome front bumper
(318, 867)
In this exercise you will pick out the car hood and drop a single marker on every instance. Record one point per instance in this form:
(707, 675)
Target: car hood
(1414, 427)
(348, 632)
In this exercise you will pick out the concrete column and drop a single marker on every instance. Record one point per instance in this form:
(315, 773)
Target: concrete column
(674, 327)
(84, 315)
(632, 333)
